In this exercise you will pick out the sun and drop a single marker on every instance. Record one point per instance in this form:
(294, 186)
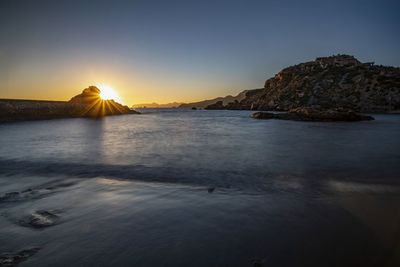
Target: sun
(108, 93)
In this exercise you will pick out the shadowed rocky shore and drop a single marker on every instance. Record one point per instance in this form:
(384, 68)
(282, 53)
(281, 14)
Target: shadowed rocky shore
(88, 104)
(309, 114)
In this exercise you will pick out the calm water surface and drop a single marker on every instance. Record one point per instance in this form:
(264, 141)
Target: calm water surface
(133, 190)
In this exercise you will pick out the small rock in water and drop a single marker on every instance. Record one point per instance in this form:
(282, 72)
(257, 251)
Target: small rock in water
(257, 262)
(40, 219)
(211, 189)
(8, 259)
(10, 195)
(27, 190)
(60, 185)
(310, 114)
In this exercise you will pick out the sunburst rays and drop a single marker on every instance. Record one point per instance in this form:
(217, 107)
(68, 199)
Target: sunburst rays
(100, 108)
(91, 104)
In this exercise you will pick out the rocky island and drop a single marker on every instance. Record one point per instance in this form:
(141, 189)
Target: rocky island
(88, 104)
(339, 81)
(309, 114)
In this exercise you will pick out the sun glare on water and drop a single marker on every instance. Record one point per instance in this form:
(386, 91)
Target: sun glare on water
(108, 93)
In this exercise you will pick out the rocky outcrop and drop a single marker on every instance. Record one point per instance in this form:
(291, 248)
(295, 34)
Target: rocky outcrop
(88, 96)
(96, 107)
(225, 100)
(218, 105)
(309, 114)
(86, 104)
(326, 83)
(235, 105)
(40, 219)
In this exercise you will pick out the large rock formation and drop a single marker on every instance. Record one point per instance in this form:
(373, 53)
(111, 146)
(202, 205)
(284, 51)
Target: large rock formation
(86, 104)
(88, 96)
(309, 114)
(329, 82)
(96, 107)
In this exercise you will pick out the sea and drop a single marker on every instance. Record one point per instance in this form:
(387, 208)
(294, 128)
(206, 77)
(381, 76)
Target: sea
(182, 187)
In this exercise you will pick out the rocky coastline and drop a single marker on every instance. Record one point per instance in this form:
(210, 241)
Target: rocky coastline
(339, 81)
(88, 104)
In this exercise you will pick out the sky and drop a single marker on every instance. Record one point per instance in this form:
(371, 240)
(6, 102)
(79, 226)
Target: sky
(165, 51)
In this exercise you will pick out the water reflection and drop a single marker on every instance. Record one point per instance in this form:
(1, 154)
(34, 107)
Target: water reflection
(133, 191)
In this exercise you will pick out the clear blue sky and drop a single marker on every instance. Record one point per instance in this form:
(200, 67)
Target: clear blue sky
(180, 50)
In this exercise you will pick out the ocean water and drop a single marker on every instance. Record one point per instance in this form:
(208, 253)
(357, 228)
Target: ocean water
(175, 187)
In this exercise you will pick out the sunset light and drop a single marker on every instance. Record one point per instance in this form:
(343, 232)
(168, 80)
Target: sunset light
(199, 133)
(108, 93)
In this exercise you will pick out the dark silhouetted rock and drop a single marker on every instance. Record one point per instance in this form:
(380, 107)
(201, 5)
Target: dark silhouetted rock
(17, 196)
(97, 107)
(218, 105)
(88, 96)
(10, 259)
(308, 114)
(257, 262)
(86, 104)
(194, 108)
(211, 189)
(235, 105)
(264, 115)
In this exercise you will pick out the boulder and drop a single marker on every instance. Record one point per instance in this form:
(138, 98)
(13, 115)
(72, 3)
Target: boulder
(97, 107)
(40, 219)
(12, 259)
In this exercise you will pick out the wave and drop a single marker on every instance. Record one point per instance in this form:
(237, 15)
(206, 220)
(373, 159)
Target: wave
(315, 184)
(10, 167)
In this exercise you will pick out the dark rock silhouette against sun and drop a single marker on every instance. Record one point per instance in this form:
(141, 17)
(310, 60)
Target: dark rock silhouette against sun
(96, 106)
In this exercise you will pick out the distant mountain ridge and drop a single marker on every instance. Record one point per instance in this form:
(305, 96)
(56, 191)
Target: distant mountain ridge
(155, 105)
(225, 100)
